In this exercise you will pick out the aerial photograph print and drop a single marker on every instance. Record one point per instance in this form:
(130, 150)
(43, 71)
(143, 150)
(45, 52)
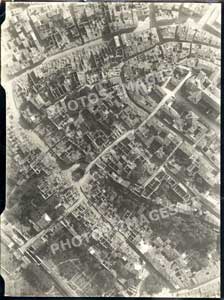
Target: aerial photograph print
(112, 149)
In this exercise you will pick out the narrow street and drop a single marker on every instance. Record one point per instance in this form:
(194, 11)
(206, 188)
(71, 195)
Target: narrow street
(192, 107)
(134, 248)
(59, 281)
(121, 138)
(161, 167)
(201, 198)
(189, 106)
(165, 99)
(131, 132)
(62, 286)
(196, 289)
(31, 241)
(54, 56)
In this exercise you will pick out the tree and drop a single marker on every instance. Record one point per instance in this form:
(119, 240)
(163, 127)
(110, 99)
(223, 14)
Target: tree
(152, 285)
(198, 261)
(78, 174)
(37, 278)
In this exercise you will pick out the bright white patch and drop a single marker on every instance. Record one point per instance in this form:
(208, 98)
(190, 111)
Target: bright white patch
(47, 218)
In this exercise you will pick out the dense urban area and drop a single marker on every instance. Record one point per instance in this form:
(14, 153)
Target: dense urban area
(113, 149)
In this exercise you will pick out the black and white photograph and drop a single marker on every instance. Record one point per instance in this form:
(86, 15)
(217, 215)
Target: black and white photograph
(112, 149)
